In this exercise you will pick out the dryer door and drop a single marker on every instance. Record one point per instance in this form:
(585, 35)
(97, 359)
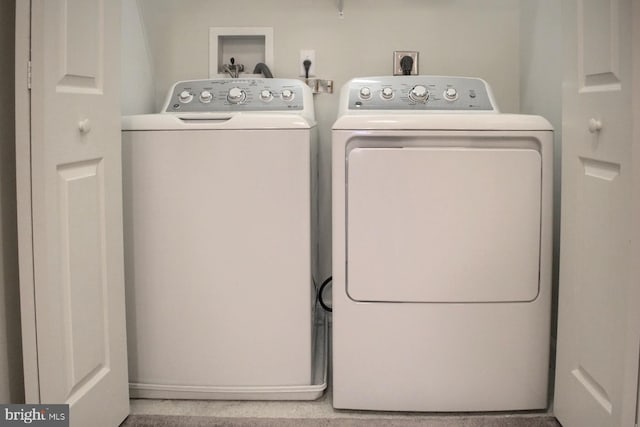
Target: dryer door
(443, 224)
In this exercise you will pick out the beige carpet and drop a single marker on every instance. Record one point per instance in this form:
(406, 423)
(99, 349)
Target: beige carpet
(419, 421)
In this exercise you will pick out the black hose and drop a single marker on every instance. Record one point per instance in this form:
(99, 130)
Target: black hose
(262, 68)
(320, 299)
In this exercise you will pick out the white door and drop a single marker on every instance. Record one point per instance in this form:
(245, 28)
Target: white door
(71, 225)
(598, 324)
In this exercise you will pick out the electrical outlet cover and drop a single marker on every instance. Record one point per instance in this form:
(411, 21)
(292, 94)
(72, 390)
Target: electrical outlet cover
(397, 57)
(309, 54)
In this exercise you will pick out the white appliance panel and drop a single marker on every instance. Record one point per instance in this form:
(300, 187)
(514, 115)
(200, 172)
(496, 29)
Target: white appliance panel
(439, 356)
(242, 200)
(443, 224)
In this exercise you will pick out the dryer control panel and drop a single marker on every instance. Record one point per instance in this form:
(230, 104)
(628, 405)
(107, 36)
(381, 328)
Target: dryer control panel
(421, 93)
(232, 95)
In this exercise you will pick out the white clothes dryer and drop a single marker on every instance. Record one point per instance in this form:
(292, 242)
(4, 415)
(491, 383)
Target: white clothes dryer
(442, 228)
(220, 237)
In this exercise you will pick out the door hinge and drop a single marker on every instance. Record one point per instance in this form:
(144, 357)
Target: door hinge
(29, 75)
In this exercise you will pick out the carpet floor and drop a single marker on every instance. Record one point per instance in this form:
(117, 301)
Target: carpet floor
(418, 421)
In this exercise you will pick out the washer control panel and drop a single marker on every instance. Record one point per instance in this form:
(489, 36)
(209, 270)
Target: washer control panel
(224, 95)
(420, 93)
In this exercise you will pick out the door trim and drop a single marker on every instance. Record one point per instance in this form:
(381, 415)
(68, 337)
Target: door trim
(635, 247)
(23, 194)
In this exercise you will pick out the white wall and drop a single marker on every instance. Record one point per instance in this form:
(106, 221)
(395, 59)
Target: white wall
(137, 74)
(541, 89)
(454, 37)
(11, 381)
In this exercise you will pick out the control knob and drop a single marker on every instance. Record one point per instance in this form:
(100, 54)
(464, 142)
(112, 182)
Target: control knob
(386, 93)
(365, 93)
(266, 95)
(236, 95)
(419, 93)
(287, 95)
(185, 97)
(451, 94)
(206, 96)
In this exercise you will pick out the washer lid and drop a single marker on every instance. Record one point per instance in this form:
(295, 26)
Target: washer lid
(210, 121)
(457, 225)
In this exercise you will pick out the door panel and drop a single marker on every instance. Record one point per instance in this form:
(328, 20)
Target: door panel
(82, 241)
(76, 210)
(82, 45)
(596, 339)
(598, 45)
(460, 224)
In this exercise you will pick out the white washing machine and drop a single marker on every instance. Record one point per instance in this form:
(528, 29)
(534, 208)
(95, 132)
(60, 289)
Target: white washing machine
(441, 248)
(220, 247)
